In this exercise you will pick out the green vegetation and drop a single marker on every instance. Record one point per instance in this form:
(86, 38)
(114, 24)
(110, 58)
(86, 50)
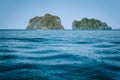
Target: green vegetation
(90, 24)
(47, 21)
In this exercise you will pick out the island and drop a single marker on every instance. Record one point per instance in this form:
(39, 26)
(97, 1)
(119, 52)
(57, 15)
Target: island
(90, 24)
(47, 21)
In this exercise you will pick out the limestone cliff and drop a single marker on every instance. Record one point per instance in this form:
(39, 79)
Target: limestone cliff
(47, 21)
(90, 24)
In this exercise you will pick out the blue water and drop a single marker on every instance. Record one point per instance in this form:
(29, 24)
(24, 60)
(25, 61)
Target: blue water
(59, 55)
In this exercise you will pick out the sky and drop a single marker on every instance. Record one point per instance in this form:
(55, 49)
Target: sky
(15, 14)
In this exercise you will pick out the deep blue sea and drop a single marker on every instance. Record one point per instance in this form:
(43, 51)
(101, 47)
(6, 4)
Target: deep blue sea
(59, 55)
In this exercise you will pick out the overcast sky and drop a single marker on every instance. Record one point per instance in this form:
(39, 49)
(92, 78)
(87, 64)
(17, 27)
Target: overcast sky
(15, 14)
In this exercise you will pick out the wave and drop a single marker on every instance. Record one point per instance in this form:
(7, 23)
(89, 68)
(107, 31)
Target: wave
(60, 55)
(25, 39)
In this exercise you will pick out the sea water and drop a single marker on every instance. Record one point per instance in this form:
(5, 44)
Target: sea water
(60, 55)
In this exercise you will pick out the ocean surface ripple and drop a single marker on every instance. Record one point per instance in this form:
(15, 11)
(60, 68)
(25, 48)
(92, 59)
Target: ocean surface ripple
(59, 55)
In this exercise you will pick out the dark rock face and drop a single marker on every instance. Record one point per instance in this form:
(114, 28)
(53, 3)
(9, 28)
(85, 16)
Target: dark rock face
(90, 24)
(47, 21)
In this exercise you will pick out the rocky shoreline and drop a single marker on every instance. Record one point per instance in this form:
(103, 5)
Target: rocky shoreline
(90, 24)
(49, 21)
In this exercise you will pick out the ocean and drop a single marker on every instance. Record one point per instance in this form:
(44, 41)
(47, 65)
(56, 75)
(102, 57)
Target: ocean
(60, 55)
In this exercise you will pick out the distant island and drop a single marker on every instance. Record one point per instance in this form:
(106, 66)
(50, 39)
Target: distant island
(90, 24)
(47, 21)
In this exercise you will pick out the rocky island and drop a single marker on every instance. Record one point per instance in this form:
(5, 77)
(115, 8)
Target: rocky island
(90, 24)
(47, 21)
